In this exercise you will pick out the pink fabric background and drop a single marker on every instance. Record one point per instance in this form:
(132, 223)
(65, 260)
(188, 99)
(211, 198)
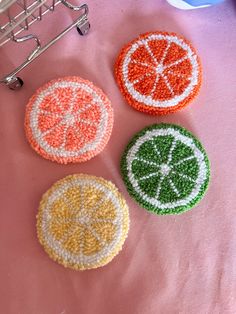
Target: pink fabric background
(169, 265)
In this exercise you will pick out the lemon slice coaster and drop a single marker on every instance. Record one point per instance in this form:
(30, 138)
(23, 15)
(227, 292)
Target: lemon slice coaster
(68, 120)
(82, 221)
(158, 73)
(166, 169)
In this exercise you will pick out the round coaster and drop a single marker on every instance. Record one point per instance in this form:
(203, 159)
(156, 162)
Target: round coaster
(68, 120)
(158, 72)
(82, 221)
(166, 169)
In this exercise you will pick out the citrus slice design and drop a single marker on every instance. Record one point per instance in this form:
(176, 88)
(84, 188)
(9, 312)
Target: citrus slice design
(158, 72)
(68, 120)
(166, 169)
(82, 221)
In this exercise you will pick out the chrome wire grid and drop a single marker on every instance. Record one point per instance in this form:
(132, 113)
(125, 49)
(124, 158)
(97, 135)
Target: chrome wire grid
(16, 16)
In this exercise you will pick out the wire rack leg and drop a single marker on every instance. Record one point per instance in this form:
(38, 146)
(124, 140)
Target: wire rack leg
(82, 24)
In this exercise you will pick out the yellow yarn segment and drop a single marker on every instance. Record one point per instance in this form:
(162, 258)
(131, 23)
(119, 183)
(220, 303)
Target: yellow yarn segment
(82, 221)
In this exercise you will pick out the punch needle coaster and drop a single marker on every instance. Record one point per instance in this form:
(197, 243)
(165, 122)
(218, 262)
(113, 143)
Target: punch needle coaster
(158, 73)
(68, 120)
(82, 222)
(166, 169)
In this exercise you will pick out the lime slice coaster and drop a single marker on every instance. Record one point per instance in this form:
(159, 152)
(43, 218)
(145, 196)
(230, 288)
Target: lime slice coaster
(166, 169)
(82, 221)
(68, 120)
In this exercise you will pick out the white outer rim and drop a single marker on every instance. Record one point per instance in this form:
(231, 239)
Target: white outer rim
(60, 152)
(55, 245)
(202, 174)
(148, 100)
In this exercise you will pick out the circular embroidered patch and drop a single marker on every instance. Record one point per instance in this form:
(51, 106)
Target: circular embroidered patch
(158, 72)
(82, 221)
(68, 120)
(166, 169)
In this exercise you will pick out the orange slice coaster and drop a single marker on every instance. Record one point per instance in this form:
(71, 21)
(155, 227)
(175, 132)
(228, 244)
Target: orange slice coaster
(68, 120)
(158, 72)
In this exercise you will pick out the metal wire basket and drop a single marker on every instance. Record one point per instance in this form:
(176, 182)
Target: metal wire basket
(16, 16)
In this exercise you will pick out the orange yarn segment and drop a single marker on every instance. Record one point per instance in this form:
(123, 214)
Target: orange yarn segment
(158, 73)
(68, 120)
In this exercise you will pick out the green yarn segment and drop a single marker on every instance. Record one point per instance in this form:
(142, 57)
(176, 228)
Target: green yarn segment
(166, 169)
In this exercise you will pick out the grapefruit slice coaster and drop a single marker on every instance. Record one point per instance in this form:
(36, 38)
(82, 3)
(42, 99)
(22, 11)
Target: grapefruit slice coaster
(166, 169)
(82, 221)
(68, 120)
(158, 72)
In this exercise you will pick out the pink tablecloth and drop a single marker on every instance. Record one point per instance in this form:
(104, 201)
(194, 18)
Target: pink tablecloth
(169, 265)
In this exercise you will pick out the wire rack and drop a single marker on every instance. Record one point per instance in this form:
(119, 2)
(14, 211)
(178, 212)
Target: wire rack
(16, 18)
